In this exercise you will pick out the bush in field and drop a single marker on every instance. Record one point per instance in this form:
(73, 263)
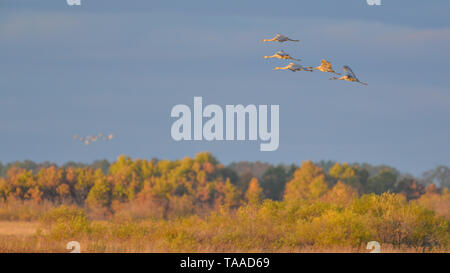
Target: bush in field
(389, 219)
(138, 210)
(335, 228)
(66, 222)
(23, 210)
(398, 222)
(128, 230)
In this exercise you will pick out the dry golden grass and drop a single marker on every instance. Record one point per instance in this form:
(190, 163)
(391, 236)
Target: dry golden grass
(18, 228)
(36, 244)
(28, 237)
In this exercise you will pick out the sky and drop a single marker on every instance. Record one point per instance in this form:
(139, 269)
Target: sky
(111, 66)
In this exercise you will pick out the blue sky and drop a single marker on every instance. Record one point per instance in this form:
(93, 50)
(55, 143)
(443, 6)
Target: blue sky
(120, 66)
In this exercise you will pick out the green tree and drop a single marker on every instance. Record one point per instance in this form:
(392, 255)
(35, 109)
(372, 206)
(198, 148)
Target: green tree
(410, 188)
(274, 181)
(381, 183)
(244, 181)
(439, 176)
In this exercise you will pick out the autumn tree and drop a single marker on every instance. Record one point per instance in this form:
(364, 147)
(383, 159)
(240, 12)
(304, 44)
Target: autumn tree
(21, 183)
(48, 180)
(85, 178)
(341, 193)
(345, 173)
(437, 201)
(227, 195)
(254, 194)
(309, 183)
(410, 188)
(100, 194)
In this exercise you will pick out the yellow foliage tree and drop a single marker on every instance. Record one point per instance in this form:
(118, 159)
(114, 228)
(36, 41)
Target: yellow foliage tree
(309, 183)
(341, 193)
(254, 193)
(346, 174)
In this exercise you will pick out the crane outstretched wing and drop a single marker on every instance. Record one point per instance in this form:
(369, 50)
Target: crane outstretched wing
(349, 71)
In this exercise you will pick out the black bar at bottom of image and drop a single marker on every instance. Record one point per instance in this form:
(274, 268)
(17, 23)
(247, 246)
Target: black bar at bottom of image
(225, 262)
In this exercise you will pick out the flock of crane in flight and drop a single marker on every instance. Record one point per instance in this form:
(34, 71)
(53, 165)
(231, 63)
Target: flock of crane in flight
(90, 139)
(325, 66)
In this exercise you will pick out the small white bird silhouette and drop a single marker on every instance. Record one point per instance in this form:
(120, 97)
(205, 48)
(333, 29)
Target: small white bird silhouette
(281, 55)
(280, 38)
(293, 67)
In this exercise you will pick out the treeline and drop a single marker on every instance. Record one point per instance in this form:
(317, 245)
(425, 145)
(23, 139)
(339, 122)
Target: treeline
(193, 185)
(30, 165)
(198, 204)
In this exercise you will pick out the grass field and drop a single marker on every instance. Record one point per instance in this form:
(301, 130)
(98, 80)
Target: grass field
(151, 236)
(18, 228)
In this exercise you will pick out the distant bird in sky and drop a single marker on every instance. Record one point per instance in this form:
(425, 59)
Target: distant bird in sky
(293, 67)
(281, 55)
(90, 139)
(325, 67)
(349, 76)
(280, 38)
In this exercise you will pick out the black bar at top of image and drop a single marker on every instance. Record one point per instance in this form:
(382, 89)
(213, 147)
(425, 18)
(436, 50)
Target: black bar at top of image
(161, 262)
